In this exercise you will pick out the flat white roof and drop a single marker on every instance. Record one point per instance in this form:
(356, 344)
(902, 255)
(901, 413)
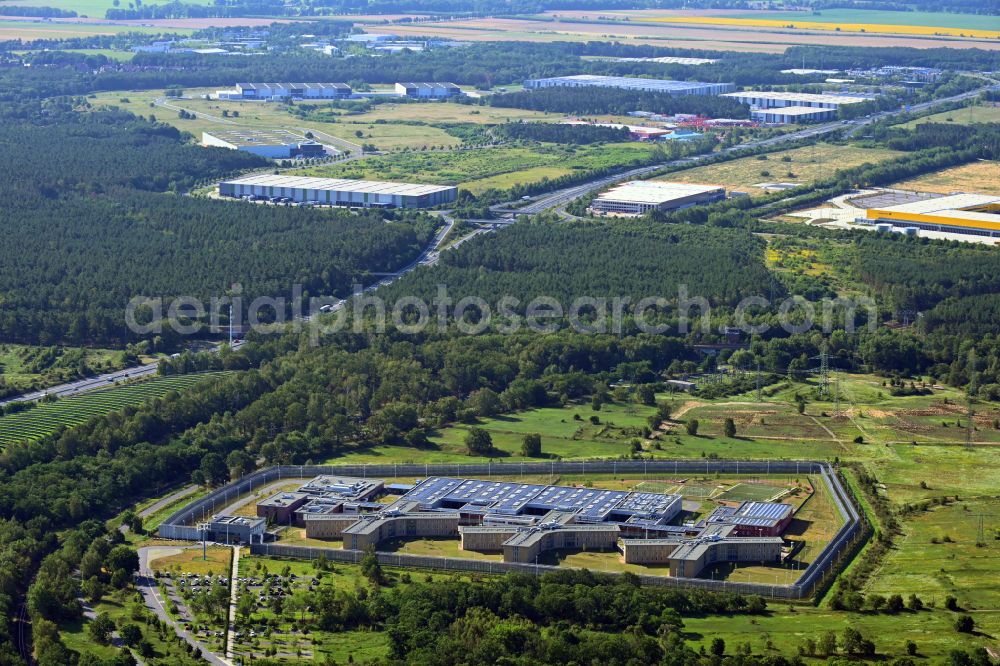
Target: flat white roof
(798, 97)
(251, 137)
(794, 110)
(669, 60)
(340, 184)
(655, 192)
(953, 203)
(628, 82)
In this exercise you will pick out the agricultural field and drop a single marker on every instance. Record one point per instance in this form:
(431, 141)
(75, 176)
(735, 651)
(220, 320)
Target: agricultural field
(638, 29)
(849, 21)
(805, 165)
(49, 417)
(479, 169)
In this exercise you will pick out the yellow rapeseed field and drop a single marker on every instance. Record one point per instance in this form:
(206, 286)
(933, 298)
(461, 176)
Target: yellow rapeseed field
(820, 25)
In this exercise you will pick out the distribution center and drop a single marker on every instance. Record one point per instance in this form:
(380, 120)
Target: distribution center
(339, 191)
(641, 196)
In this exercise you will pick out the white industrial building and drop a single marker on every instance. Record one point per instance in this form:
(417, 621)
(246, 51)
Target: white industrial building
(273, 144)
(631, 83)
(339, 191)
(282, 91)
(641, 196)
(769, 99)
(427, 90)
(792, 114)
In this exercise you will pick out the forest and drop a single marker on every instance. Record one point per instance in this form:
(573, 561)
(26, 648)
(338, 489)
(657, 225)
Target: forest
(595, 100)
(559, 133)
(95, 218)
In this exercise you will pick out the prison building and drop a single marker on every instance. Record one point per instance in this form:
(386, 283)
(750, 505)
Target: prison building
(787, 115)
(273, 144)
(478, 501)
(345, 487)
(372, 529)
(630, 83)
(753, 518)
(339, 191)
(280, 509)
(687, 558)
(527, 545)
(970, 214)
(282, 91)
(764, 99)
(425, 90)
(642, 196)
(327, 525)
(236, 529)
(485, 538)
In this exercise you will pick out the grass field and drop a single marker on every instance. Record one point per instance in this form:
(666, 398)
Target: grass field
(47, 418)
(26, 368)
(806, 164)
(964, 116)
(28, 30)
(90, 8)
(479, 169)
(218, 561)
(982, 176)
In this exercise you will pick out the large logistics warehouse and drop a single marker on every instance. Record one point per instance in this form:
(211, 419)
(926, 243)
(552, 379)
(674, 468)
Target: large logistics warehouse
(786, 115)
(278, 91)
(972, 214)
(631, 83)
(762, 99)
(339, 191)
(428, 90)
(273, 144)
(641, 196)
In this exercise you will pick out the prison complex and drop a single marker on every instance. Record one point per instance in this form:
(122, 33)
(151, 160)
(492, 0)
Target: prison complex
(523, 520)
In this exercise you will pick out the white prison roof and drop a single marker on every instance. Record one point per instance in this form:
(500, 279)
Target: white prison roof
(340, 185)
(655, 192)
(798, 97)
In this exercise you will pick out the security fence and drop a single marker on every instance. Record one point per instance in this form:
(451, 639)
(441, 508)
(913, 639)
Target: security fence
(181, 524)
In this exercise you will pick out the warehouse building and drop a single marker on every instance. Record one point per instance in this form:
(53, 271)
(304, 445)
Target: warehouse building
(753, 518)
(273, 144)
(641, 196)
(631, 83)
(792, 114)
(340, 192)
(970, 214)
(270, 92)
(428, 90)
(763, 99)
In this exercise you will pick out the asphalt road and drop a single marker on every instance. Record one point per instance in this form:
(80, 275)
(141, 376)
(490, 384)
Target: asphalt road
(146, 584)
